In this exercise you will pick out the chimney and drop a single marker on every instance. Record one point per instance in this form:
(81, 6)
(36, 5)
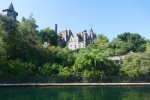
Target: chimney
(55, 25)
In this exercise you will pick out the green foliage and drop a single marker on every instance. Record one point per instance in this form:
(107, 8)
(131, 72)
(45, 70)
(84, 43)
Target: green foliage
(66, 57)
(3, 55)
(101, 40)
(148, 46)
(65, 71)
(93, 63)
(49, 36)
(49, 69)
(2, 50)
(17, 68)
(7, 24)
(21, 41)
(20, 44)
(136, 40)
(136, 64)
(28, 25)
(120, 47)
(22, 53)
(45, 55)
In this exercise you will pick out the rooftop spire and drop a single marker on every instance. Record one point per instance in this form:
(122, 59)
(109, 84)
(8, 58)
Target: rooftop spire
(91, 30)
(11, 7)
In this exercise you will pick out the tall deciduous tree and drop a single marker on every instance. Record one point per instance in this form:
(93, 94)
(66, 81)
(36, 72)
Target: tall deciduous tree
(101, 42)
(94, 63)
(120, 47)
(49, 36)
(23, 43)
(136, 64)
(66, 57)
(137, 41)
(7, 24)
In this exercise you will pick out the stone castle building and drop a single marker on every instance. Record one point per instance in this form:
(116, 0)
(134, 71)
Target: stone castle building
(10, 12)
(75, 41)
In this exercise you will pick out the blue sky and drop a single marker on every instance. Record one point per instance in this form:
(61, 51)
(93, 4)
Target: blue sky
(108, 17)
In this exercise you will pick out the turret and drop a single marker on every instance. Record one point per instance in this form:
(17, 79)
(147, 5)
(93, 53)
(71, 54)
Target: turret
(91, 33)
(10, 12)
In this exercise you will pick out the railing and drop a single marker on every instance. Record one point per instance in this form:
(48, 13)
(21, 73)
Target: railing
(72, 79)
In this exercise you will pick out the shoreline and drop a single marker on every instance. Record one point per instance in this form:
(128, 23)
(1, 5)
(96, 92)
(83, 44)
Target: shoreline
(76, 84)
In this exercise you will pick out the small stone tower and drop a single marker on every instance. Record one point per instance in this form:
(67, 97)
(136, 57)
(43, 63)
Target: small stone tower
(10, 12)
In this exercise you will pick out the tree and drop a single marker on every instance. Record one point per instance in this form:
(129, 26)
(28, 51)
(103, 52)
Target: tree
(94, 63)
(93, 60)
(23, 42)
(49, 69)
(136, 64)
(17, 68)
(2, 50)
(49, 36)
(120, 47)
(7, 24)
(101, 41)
(3, 55)
(46, 55)
(137, 41)
(66, 57)
(148, 46)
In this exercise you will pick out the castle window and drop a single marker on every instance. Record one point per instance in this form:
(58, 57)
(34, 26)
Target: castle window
(75, 40)
(75, 46)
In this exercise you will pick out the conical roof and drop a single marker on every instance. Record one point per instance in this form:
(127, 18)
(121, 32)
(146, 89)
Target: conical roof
(11, 7)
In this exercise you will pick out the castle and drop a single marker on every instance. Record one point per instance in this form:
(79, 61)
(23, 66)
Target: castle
(75, 41)
(65, 37)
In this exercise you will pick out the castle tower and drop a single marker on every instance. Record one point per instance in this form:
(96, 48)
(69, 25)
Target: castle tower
(10, 12)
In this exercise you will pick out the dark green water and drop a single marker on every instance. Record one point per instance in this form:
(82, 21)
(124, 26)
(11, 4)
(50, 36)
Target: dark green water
(75, 93)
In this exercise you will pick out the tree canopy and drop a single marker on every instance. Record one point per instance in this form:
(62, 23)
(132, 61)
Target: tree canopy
(136, 40)
(22, 53)
(49, 36)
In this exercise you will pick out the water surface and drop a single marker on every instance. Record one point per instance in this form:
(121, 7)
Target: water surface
(76, 93)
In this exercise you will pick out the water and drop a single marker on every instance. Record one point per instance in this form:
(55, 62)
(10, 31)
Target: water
(75, 93)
